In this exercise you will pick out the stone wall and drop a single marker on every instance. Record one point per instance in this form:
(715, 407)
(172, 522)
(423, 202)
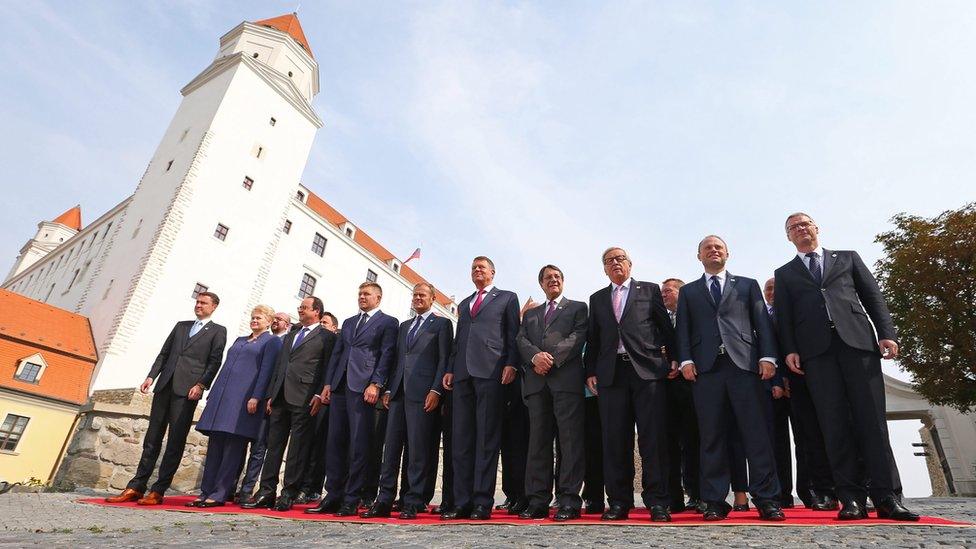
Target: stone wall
(107, 443)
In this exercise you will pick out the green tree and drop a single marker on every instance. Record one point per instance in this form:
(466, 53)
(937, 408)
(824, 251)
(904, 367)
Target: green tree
(928, 274)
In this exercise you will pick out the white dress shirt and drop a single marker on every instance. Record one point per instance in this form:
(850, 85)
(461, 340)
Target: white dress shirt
(487, 291)
(624, 292)
(806, 260)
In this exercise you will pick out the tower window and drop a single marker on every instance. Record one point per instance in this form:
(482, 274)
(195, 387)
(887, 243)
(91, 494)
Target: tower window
(273, 121)
(289, 74)
(287, 227)
(307, 288)
(220, 233)
(300, 196)
(255, 55)
(182, 137)
(370, 275)
(29, 372)
(108, 289)
(318, 245)
(197, 290)
(11, 431)
(248, 183)
(349, 232)
(169, 165)
(259, 151)
(74, 278)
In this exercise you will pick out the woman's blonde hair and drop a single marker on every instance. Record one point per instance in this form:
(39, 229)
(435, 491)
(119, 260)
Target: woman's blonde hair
(268, 312)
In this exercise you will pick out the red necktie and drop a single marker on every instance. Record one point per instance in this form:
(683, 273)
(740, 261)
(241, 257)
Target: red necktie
(477, 303)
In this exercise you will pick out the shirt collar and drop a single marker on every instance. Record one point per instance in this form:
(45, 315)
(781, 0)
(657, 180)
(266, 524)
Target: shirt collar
(424, 315)
(625, 285)
(803, 256)
(310, 328)
(557, 300)
(487, 289)
(202, 321)
(370, 313)
(721, 276)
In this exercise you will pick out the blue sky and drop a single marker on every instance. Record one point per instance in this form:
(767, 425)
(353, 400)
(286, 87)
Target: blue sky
(534, 132)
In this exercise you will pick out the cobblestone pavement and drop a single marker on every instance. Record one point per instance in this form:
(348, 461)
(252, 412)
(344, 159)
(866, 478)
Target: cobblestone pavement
(56, 520)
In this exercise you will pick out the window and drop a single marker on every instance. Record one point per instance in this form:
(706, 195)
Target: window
(349, 232)
(182, 137)
(197, 289)
(318, 244)
(273, 121)
(108, 289)
(290, 74)
(138, 226)
(396, 267)
(255, 55)
(307, 287)
(370, 275)
(11, 431)
(74, 279)
(248, 183)
(107, 229)
(300, 196)
(287, 227)
(29, 372)
(169, 165)
(220, 233)
(259, 151)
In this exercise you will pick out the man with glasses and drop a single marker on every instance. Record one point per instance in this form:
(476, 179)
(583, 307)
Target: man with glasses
(826, 303)
(626, 366)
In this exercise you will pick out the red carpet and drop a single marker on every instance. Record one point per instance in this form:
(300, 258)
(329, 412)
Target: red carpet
(638, 517)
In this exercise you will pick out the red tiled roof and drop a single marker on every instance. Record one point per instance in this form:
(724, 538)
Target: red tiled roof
(289, 25)
(71, 218)
(333, 216)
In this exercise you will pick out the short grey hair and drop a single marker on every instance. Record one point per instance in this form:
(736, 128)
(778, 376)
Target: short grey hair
(786, 225)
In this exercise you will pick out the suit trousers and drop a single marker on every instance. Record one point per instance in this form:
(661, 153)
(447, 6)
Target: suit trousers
(394, 449)
(225, 456)
(477, 439)
(409, 432)
(255, 458)
(515, 441)
(848, 391)
(593, 450)
(443, 427)
(738, 470)
(551, 412)
(351, 421)
(682, 443)
(813, 473)
(170, 415)
(781, 446)
(289, 426)
(374, 457)
(724, 396)
(314, 476)
(627, 401)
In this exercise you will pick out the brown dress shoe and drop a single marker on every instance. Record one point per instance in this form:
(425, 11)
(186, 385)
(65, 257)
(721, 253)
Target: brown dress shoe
(126, 496)
(152, 498)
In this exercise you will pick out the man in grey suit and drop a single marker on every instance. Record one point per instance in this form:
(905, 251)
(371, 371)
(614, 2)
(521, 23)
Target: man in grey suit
(184, 368)
(727, 347)
(551, 343)
(292, 403)
(412, 397)
(482, 361)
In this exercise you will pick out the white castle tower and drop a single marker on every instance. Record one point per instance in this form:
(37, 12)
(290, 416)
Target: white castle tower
(50, 235)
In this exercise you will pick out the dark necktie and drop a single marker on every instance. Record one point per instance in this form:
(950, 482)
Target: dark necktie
(359, 325)
(549, 312)
(413, 331)
(299, 338)
(815, 267)
(716, 290)
(477, 303)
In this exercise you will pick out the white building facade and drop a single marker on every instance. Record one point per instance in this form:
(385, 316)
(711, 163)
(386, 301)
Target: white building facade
(220, 207)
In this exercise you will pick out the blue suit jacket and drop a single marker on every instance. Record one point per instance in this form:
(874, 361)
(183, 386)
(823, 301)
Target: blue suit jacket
(739, 321)
(364, 358)
(485, 343)
(420, 366)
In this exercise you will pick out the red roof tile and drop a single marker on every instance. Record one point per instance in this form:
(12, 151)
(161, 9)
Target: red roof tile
(289, 25)
(71, 218)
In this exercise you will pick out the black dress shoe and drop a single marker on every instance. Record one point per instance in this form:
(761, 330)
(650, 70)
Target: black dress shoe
(368, 502)
(408, 512)
(209, 504)
(852, 510)
(314, 496)
(770, 510)
(518, 507)
(594, 507)
(241, 497)
(261, 502)
(824, 503)
(659, 513)
(695, 506)
(300, 499)
(740, 507)
(891, 508)
(378, 510)
(457, 513)
(534, 512)
(324, 507)
(441, 509)
(616, 512)
(677, 506)
(566, 513)
(504, 505)
(715, 511)
(194, 503)
(284, 504)
(481, 512)
(396, 506)
(348, 510)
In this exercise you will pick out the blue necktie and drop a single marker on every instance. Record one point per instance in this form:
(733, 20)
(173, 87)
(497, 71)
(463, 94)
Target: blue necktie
(413, 331)
(301, 336)
(716, 290)
(815, 267)
(195, 328)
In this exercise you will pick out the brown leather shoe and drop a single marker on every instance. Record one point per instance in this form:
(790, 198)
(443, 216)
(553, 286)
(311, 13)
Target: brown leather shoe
(127, 495)
(152, 498)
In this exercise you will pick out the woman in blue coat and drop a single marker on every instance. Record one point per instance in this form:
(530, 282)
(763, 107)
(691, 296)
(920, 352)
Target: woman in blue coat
(232, 417)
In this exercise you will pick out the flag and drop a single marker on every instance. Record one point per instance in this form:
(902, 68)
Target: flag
(414, 255)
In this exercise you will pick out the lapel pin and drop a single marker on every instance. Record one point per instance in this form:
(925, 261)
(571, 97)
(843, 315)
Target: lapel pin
(833, 255)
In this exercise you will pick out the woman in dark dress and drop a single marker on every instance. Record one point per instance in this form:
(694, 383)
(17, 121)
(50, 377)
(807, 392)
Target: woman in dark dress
(232, 416)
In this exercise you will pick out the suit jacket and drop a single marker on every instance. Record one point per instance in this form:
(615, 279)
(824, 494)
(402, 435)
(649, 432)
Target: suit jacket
(563, 338)
(485, 343)
(300, 369)
(644, 327)
(739, 322)
(366, 357)
(420, 366)
(186, 360)
(848, 291)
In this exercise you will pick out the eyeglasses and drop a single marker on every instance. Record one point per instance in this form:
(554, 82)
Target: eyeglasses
(614, 259)
(799, 226)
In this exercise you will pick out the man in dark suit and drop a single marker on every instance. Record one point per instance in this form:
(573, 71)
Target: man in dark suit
(423, 348)
(184, 368)
(726, 347)
(482, 362)
(357, 374)
(292, 403)
(826, 303)
(683, 451)
(314, 476)
(626, 367)
(551, 341)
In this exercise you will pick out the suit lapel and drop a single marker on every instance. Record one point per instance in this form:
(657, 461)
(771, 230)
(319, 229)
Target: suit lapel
(830, 259)
(424, 326)
(797, 264)
(729, 287)
(609, 298)
(303, 341)
(631, 295)
(196, 336)
(366, 325)
(488, 297)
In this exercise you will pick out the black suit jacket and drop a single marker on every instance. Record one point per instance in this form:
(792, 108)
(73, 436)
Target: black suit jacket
(485, 343)
(420, 366)
(563, 338)
(300, 371)
(186, 360)
(739, 321)
(645, 329)
(849, 292)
